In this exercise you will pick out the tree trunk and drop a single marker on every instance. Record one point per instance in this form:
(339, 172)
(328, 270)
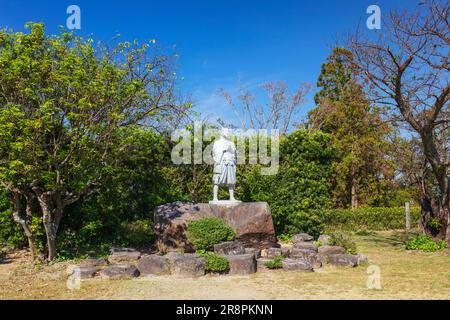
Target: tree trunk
(24, 223)
(440, 208)
(354, 194)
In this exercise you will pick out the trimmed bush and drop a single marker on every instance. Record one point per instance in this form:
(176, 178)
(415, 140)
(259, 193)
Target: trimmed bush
(344, 240)
(204, 233)
(276, 263)
(425, 243)
(138, 233)
(368, 218)
(214, 262)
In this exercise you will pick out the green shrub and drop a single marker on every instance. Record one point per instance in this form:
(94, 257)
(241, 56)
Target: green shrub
(345, 240)
(435, 224)
(425, 243)
(204, 233)
(276, 263)
(214, 262)
(368, 218)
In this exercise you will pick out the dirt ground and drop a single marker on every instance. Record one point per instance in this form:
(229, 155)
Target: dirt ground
(404, 275)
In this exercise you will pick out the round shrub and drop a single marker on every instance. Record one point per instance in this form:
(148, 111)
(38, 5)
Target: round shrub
(425, 243)
(214, 262)
(204, 233)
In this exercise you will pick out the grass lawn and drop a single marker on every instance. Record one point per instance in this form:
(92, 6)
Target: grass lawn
(404, 275)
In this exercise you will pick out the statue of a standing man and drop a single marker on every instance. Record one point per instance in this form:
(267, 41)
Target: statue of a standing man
(224, 155)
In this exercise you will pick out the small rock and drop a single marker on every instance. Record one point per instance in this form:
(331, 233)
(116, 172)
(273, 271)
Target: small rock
(309, 256)
(114, 250)
(324, 239)
(189, 266)
(327, 250)
(94, 262)
(271, 253)
(123, 271)
(342, 260)
(260, 264)
(229, 247)
(306, 245)
(362, 259)
(302, 237)
(285, 251)
(153, 265)
(296, 265)
(84, 272)
(124, 257)
(256, 252)
(241, 264)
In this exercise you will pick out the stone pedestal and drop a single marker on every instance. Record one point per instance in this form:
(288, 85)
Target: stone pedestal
(252, 222)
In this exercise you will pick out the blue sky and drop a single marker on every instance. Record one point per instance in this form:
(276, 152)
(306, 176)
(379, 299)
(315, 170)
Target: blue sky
(221, 43)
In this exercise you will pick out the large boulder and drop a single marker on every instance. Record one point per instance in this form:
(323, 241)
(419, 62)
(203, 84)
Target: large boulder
(122, 271)
(153, 265)
(297, 265)
(252, 222)
(188, 266)
(242, 264)
(229, 247)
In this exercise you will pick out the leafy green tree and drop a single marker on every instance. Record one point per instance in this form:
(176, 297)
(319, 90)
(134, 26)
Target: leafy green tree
(63, 105)
(355, 126)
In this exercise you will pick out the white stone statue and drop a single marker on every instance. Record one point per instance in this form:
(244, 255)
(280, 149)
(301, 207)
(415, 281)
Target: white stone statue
(224, 155)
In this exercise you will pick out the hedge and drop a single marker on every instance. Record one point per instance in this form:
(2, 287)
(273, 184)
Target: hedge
(369, 218)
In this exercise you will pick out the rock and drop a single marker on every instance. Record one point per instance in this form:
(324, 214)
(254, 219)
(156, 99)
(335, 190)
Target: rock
(229, 247)
(94, 262)
(188, 266)
(285, 251)
(84, 272)
(309, 256)
(242, 264)
(128, 257)
(114, 250)
(121, 271)
(324, 239)
(296, 265)
(254, 251)
(302, 237)
(342, 260)
(153, 265)
(306, 245)
(252, 222)
(271, 253)
(362, 259)
(260, 264)
(327, 250)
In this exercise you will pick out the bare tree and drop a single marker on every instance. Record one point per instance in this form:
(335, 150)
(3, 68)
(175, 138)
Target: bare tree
(407, 69)
(277, 113)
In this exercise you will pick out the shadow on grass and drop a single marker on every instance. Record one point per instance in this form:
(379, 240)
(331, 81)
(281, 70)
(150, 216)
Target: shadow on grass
(395, 238)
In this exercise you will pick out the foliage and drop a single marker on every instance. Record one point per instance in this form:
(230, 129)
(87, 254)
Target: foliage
(435, 224)
(345, 240)
(356, 129)
(425, 243)
(276, 263)
(204, 233)
(65, 131)
(301, 188)
(214, 262)
(369, 218)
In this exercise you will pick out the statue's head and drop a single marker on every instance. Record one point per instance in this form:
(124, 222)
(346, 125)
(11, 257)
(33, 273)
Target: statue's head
(226, 133)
